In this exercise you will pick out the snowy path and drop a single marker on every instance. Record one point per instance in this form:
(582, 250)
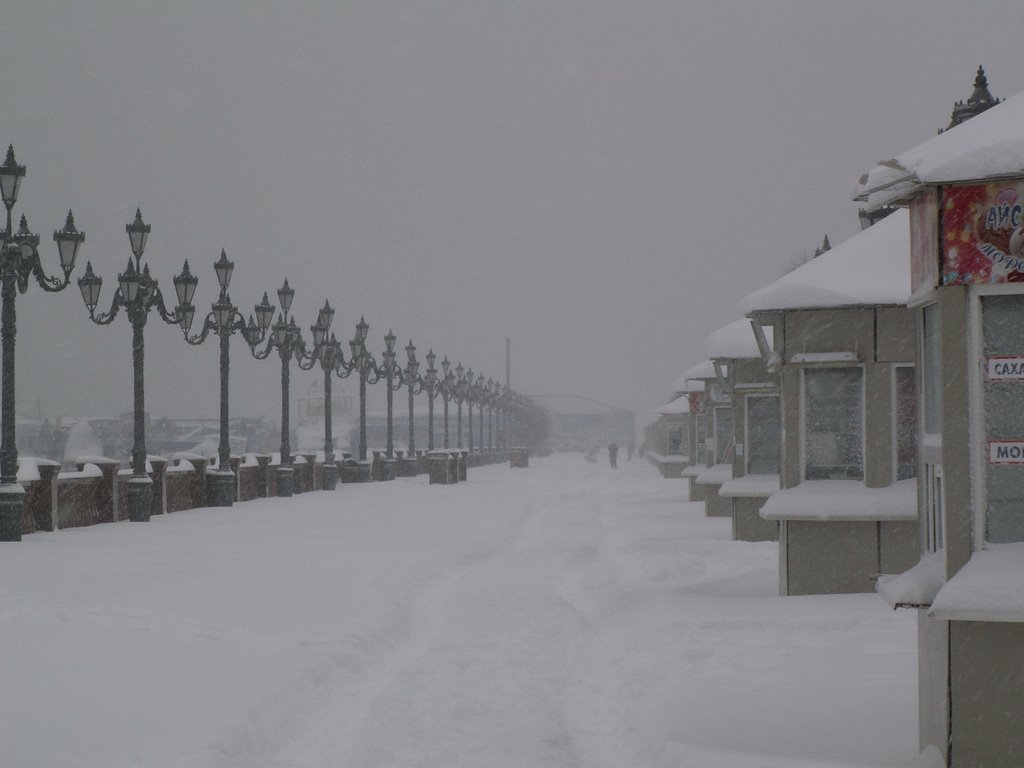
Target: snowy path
(564, 615)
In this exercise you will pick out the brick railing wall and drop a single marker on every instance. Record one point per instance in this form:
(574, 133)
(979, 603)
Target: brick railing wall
(97, 491)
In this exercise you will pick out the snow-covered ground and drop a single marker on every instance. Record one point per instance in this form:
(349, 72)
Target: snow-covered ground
(562, 615)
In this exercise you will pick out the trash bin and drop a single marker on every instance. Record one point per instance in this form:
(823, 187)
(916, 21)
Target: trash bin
(519, 457)
(353, 471)
(408, 466)
(442, 468)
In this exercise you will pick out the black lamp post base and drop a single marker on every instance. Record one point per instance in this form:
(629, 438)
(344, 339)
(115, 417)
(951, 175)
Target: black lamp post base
(140, 498)
(329, 476)
(285, 481)
(220, 489)
(12, 507)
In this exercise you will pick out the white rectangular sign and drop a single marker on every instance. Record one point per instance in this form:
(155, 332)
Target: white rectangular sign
(1005, 368)
(1006, 452)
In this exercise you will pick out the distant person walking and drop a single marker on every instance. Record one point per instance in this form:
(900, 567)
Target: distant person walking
(613, 454)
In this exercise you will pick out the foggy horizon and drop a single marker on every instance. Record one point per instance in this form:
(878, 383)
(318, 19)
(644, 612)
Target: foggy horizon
(599, 183)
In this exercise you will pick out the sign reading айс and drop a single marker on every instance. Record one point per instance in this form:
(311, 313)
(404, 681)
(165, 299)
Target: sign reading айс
(1006, 452)
(1005, 368)
(983, 233)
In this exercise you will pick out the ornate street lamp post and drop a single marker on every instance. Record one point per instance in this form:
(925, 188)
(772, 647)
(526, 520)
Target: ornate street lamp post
(496, 401)
(19, 260)
(286, 338)
(137, 292)
(469, 394)
(391, 373)
(459, 393)
(519, 404)
(362, 363)
(511, 416)
(492, 414)
(489, 399)
(480, 392)
(503, 433)
(328, 352)
(224, 320)
(432, 386)
(414, 383)
(446, 386)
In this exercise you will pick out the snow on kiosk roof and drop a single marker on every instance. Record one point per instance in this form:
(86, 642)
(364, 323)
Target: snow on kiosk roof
(872, 267)
(679, 405)
(684, 384)
(988, 146)
(735, 340)
(704, 370)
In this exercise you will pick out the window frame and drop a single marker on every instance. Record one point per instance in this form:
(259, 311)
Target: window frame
(702, 438)
(931, 486)
(746, 432)
(803, 413)
(681, 429)
(894, 426)
(977, 437)
(732, 436)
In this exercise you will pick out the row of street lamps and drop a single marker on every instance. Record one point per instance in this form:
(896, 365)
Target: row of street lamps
(138, 293)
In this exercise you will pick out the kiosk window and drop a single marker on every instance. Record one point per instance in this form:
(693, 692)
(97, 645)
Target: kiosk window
(1003, 337)
(763, 435)
(833, 424)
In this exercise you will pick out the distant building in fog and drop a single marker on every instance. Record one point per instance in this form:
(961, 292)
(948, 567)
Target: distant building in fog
(581, 424)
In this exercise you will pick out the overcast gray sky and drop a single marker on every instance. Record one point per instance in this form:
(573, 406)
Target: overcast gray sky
(601, 182)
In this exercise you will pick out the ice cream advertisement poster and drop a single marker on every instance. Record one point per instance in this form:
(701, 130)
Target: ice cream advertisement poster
(983, 234)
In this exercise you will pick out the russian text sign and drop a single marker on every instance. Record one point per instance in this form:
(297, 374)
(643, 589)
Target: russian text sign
(1005, 368)
(1006, 452)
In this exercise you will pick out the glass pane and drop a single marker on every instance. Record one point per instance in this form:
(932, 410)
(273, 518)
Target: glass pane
(724, 438)
(675, 441)
(702, 436)
(833, 424)
(933, 507)
(1003, 334)
(763, 435)
(932, 372)
(906, 423)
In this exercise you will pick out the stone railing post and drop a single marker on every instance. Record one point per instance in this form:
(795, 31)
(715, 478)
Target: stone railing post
(159, 464)
(236, 467)
(39, 498)
(261, 484)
